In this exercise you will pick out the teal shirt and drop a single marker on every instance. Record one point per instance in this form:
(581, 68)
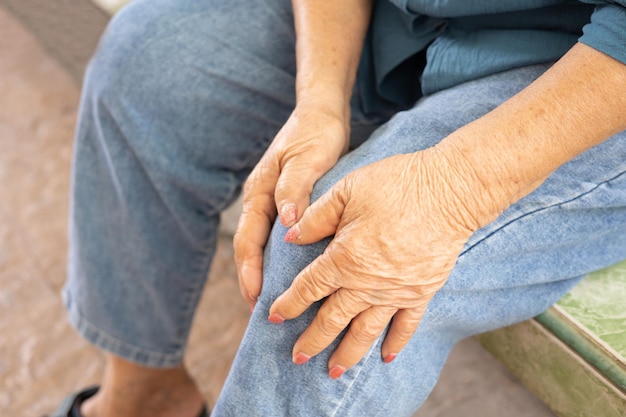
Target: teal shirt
(418, 47)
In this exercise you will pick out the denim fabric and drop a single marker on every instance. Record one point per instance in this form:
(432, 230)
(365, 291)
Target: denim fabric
(179, 103)
(511, 270)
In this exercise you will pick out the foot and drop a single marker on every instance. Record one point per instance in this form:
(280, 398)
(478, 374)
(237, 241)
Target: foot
(130, 390)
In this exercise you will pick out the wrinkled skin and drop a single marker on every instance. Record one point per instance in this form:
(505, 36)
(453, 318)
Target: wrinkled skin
(308, 145)
(399, 226)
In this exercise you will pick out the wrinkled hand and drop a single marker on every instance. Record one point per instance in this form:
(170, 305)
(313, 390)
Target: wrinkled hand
(399, 225)
(307, 146)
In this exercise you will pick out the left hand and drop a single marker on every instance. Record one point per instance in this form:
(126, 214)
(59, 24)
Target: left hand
(399, 226)
(307, 146)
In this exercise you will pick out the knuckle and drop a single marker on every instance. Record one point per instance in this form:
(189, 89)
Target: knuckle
(249, 184)
(238, 241)
(403, 333)
(330, 265)
(405, 327)
(330, 325)
(283, 193)
(241, 247)
(248, 207)
(338, 196)
(245, 252)
(305, 289)
(364, 331)
(316, 167)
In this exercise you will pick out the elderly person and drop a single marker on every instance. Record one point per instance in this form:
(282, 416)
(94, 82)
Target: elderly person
(417, 172)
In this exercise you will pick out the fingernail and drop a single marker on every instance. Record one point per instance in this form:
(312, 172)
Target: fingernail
(293, 234)
(336, 371)
(288, 214)
(389, 358)
(276, 318)
(301, 358)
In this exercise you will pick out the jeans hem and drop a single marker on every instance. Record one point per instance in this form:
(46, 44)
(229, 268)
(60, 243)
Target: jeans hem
(117, 347)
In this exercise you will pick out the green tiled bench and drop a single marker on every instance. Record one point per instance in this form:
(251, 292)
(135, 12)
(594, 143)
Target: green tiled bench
(573, 356)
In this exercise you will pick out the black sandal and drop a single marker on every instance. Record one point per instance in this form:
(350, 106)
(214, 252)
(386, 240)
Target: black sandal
(70, 407)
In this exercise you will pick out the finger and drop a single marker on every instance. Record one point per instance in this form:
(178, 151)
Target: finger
(322, 219)
(362, 334)
(293, 188)
(253, 229)
(403, 327)
(331, 319)
(248, 242)
(318, 280)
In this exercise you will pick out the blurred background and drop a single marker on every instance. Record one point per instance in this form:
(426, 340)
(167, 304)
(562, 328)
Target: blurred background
(44, 46)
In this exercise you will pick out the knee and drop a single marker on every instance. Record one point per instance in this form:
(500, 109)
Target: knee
(151, 45)
(125, 56)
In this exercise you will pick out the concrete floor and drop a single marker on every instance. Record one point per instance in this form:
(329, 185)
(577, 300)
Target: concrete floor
(41, 358)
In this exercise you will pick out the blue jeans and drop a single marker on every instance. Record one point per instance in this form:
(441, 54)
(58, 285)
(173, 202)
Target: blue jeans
(180, 102)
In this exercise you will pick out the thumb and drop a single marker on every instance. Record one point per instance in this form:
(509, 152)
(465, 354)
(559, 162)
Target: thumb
(322, 219)
(294, 187)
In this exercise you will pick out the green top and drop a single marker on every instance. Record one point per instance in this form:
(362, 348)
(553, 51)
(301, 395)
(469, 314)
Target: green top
(417, 47)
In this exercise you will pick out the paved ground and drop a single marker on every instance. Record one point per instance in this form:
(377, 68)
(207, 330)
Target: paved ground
(41, 359)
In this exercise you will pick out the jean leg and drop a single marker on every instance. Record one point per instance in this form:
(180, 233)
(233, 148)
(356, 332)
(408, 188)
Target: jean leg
(509, 271)
(179, 103)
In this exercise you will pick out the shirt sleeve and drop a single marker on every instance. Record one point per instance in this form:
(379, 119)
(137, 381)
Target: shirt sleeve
(607, 30)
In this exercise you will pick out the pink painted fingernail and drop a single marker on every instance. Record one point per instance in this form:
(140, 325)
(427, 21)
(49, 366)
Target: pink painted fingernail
(293, 234)
(276, 318)
(301, 358)
(389, 358)
(288, 214)
(336, 371)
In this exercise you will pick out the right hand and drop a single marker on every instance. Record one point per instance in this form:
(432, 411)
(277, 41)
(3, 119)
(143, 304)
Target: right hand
(308, 145)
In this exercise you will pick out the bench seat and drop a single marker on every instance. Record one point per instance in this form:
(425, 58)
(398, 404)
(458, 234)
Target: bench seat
(573, 356)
